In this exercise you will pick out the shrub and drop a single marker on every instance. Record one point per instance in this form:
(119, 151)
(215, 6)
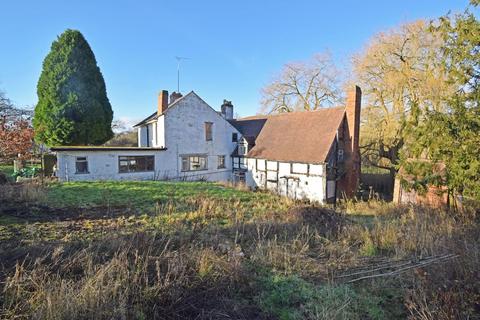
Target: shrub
(27, 172)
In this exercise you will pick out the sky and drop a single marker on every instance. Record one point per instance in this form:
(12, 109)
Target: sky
(234, 47)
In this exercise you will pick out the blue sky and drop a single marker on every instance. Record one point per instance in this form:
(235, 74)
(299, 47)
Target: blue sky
(235, 47)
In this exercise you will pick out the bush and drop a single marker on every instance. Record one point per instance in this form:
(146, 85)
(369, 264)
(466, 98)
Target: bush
(27, 172)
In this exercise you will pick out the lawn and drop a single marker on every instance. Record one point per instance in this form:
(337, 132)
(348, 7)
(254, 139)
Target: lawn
(144, 194)
(180, 250)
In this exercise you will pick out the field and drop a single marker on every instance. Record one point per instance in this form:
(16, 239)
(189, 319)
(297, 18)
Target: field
(197, 250)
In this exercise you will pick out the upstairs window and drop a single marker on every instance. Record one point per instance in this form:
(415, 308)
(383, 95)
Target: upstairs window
(234, 137)
(241, 150)
(81, 165)
(136, 163)
(221, 162)
(208, 131)
(194, 163)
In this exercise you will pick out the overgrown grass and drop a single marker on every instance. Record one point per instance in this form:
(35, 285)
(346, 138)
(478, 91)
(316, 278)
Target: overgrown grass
(164, 250)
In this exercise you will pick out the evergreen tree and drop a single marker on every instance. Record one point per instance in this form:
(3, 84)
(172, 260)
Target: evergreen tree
(451, 139)
(73, 107)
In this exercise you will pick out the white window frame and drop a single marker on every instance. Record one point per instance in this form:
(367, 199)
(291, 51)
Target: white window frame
(242, 150)
(221, 162)
(187, 159)
(133, 158)
(85, 160)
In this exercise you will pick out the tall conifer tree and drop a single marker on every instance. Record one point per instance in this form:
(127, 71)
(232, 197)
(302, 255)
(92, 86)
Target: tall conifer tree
(73, 107)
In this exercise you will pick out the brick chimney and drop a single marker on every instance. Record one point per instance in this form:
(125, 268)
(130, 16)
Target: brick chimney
(353, 106)
(175, 96)
(162, 102)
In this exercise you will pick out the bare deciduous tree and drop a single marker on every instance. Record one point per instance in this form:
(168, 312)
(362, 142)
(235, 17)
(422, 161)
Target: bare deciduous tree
(9, 111)
(302, 86)
(398, 70)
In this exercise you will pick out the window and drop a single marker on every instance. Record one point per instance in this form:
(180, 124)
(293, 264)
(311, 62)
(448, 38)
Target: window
(234, 137)
(242, 150)
(243, 163)
(136, 163)
(208, 131)
(194, 163)
(81, 165)
(242, 147)
(148, 135)
(221, 162)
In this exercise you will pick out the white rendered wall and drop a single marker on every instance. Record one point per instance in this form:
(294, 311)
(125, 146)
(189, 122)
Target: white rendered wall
(182, 131)
(184, 127)
(160, 137)
(151, 137)
(142, 136)
(102, 165)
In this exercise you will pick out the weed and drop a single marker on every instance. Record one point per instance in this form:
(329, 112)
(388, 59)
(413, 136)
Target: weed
(170, 250)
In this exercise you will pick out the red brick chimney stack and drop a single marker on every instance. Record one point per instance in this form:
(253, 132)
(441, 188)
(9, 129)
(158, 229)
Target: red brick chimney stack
(354, 104)
(162, 102)
(353, 107)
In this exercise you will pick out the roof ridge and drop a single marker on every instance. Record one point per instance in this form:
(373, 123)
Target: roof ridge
(266, 116)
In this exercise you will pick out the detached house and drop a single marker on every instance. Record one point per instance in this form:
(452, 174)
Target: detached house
(312, 155)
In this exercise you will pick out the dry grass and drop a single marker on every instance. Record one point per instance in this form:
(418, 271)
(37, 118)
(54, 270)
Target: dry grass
(206, 258)
(28, 192)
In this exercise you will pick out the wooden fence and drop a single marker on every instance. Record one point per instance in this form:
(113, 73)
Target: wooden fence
(377, 183)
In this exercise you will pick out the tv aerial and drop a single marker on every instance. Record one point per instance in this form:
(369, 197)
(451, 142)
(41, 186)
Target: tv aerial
(179, 60)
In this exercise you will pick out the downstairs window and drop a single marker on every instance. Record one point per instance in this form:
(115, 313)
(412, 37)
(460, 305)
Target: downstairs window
(221, 162)
(136, 163)
(81, 165)
(194, 163)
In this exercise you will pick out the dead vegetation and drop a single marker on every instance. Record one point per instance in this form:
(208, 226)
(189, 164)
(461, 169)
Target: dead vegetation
(211, 259)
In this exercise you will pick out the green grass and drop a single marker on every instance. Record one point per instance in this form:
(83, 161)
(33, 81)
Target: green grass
(92, 210)
(142, 194)
(293, 298)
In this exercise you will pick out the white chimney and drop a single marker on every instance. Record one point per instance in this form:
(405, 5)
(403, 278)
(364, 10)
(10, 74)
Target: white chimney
(227, 109)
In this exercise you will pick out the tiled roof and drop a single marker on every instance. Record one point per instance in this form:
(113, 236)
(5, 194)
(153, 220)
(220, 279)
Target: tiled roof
(294, 137)
(147, 119)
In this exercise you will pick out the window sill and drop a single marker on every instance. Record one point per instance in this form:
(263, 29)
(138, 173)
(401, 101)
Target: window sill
(136, 171)
(82, 172)
(194, 170)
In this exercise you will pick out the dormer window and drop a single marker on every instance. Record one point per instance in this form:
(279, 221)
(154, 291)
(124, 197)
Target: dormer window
(242, 147)
(241, 150)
